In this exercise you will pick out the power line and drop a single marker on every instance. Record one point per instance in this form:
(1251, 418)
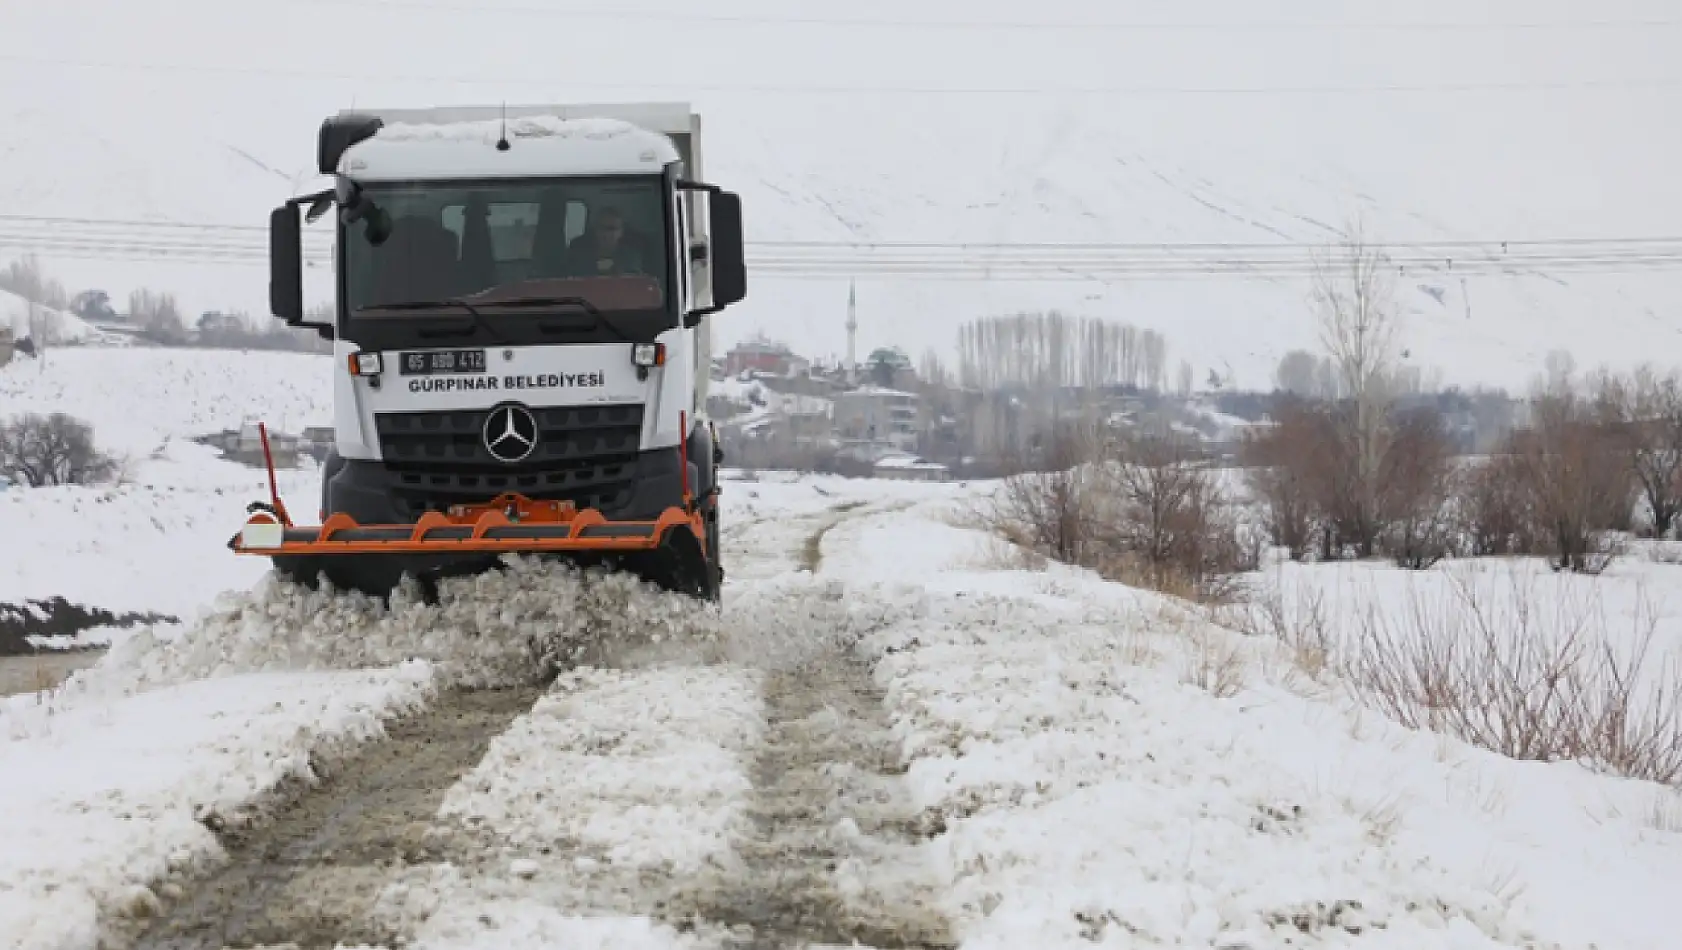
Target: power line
(59, 224)
(686, 86)
(901, 23)
(1210, 245)
(1046, 268)
(246, 245)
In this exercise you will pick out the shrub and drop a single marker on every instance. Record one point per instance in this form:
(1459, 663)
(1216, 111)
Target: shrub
(54, 449)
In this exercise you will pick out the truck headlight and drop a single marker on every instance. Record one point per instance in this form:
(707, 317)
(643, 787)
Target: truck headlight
(645, 355)
(365, 364)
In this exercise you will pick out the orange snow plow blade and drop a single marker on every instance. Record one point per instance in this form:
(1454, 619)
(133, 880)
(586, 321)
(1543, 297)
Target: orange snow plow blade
(511, 524)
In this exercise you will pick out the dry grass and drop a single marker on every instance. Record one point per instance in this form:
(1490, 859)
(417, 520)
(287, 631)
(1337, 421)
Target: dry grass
(1138, 648)
(1306, 631)
(1531, 675)
(1214, 662)
(1540, 681)
(1212, 658)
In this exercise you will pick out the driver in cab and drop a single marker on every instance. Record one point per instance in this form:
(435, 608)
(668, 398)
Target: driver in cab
(603, 251)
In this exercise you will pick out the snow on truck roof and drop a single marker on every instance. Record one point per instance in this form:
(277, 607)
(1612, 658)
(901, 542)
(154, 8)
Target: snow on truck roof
(541, 145)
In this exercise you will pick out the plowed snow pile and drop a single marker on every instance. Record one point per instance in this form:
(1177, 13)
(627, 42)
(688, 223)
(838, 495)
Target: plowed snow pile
(182, 727)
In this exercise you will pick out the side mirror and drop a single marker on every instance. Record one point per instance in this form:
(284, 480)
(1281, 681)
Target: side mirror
(286, 265)
(729, 263)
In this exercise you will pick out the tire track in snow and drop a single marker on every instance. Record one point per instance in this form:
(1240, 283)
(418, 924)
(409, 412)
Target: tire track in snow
(828, 825)
(829, 855)
(307, 878)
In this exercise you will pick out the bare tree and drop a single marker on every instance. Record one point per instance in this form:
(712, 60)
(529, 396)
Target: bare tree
(1044, 352)
(1493, 509)
(1296, 373)
(157, 312)
(1577, 480)
(1278, 469)
(1558, 369)
(1154, 353)
(1054, 511)
(1304, 472)
(1416, 490)
(1131, 365)
(54, 449)
(1168, 523)
(1646, 411)
(932, 372)
(1353, 295)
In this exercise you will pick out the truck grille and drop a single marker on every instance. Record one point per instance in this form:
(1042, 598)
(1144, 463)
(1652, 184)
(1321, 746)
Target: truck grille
(584, 454)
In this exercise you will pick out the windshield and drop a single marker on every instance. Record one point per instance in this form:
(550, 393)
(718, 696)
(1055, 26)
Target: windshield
(589, 238)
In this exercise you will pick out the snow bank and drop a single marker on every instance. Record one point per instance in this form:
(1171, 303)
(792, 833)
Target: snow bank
(104, 798)
(1109, 768)
(497, 629)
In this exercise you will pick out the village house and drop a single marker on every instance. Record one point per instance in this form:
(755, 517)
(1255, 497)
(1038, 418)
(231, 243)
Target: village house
(911, 468)
(761, 355)
(875, 415)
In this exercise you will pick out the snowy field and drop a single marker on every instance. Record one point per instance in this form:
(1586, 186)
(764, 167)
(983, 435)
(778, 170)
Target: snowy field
(157, 541)
(893, 730)
(1085, 764)
(1634, 607)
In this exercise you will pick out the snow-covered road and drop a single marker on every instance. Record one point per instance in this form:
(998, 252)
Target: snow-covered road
(890, 734)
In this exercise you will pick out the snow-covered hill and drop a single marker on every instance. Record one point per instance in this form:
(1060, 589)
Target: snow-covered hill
(55, 326)
(1491, 124)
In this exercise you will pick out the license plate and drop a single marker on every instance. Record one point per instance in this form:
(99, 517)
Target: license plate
(443, 361)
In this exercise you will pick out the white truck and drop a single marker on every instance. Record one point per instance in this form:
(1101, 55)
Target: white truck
(522, 345)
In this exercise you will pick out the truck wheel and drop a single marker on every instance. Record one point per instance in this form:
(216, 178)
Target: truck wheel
(715, 566)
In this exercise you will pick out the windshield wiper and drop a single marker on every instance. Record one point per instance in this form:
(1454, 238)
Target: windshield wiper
(589, 307)
(571, 301)
(415, 305)
(512, 303)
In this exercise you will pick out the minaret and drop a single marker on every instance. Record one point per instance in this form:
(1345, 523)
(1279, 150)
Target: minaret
(852, 332)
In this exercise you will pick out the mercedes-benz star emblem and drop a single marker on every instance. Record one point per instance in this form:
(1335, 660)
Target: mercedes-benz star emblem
(510, 433)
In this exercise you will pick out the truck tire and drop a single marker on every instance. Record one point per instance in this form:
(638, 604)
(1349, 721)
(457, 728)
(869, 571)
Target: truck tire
(715, 566)
(704, 456)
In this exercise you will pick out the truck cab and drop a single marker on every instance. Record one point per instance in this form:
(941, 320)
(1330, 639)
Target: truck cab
(521, 304)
